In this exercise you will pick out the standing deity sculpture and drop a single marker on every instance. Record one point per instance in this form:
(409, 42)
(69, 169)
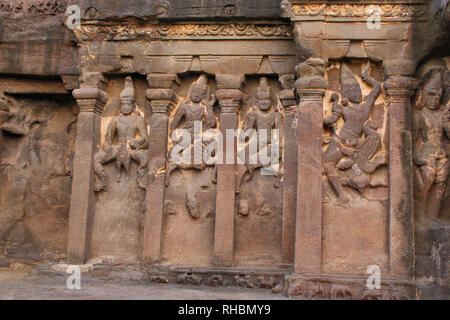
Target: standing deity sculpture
(126, 139)
(431, 127)
(346, 150)
(260, 122)
(263, 118)
(197, 112)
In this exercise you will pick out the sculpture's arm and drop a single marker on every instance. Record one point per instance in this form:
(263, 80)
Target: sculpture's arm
(369, 101)
(250, 122)
(337, 112)
(179, 114)
(210, 117)
(447, 122)
(110, 133)
(418, 131)
(142, 129)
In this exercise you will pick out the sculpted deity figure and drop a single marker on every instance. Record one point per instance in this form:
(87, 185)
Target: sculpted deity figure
(196, 110)
(122, 142)
(346, 141)
(261, 119)
(431, 127)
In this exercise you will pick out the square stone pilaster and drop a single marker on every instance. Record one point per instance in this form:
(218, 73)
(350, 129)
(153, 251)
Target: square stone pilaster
(91, 99)
(399, 90)
(290, 104)
(162, 97)
(230, 96)
(308, 235)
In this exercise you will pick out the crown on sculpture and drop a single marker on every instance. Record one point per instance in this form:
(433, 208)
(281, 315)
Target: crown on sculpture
(127, 94)
(201, 82)
(433, 80)
(263, 91)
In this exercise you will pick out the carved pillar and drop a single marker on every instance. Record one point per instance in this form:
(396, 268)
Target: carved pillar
(161, 97)
(308, 235)
(229, 96)
(91, 100)
(289, 101)
(399, 90)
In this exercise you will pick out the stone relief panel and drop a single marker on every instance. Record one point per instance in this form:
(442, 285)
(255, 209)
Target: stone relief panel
(354, 167)
(191, 187)
(190, 190)
(120, 168)
(259, 200)
(36, 153)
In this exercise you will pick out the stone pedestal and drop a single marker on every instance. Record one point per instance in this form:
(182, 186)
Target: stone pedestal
(401, 206)
(229, 96)
(91, 100)
(161, 97)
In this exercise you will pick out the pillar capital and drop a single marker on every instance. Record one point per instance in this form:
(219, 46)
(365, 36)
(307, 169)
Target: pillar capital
(161, 93)
(90, 99)
(399, 88)
(287, 95)
(311, 78)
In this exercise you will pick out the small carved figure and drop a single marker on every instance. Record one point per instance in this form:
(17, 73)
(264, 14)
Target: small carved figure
(372, 295)
(128, 146)
(308, 290)
(341, 292)
(215, 280)
(431, 127)
(244, 282)
(263, 282)
(189, 278)
(346, 141)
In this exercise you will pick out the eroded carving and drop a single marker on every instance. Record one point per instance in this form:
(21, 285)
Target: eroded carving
(197, 111)
(189, 278)
(126, 139)
(350, 160)
(244, 281)
(431, 128)
(264, 117)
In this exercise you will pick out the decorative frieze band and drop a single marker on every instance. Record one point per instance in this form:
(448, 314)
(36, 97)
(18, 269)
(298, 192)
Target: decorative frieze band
(406, 10)
(186, 31)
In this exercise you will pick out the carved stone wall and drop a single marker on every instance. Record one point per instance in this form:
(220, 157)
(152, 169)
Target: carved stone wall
(87, 133)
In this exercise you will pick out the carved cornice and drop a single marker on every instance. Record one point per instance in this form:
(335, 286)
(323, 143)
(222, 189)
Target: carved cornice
(185, 31)
(354, 10)
(33, 7)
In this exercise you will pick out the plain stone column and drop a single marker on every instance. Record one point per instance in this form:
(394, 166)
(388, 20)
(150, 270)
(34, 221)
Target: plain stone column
(401, 206)
(287, 97)
(229, 96)
(308, 233)
(161, 97)
(91, 100)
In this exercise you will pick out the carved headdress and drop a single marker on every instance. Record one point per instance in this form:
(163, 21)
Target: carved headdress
(263, 91)
(201, 83)
(350, 88)
(433, 80)
(127, 94)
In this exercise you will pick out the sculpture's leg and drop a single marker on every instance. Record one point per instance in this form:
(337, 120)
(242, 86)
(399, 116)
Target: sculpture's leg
(439, 188)
(428, 177)
(170, 169)
(141, 157)
(241, 170)
(100, 158)
(192, 203)
(335, 182)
